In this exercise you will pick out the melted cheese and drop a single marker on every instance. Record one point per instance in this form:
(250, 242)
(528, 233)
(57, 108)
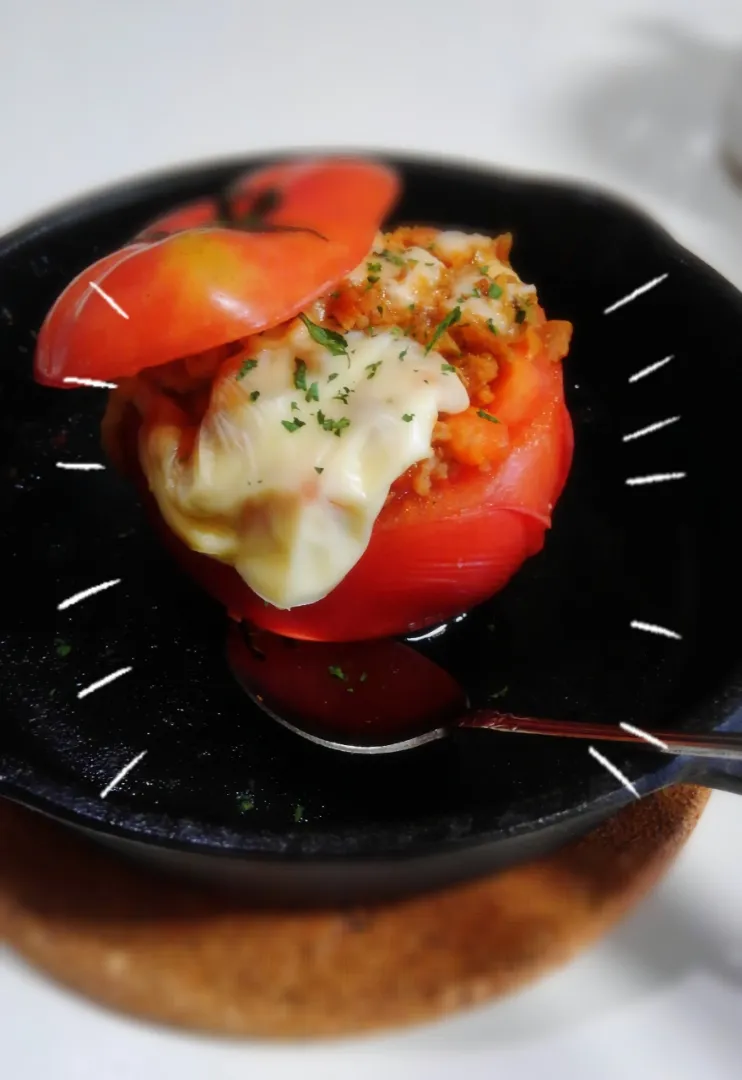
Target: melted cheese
(287, 488)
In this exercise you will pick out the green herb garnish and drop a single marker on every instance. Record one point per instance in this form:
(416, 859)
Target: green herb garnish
(483, 270)
(342, 395)
(319, 469)
(447, 369)
(254, 395)
(248, 803)
(373, 368)
(332, 375)
(495, 291)
(62, 648)
(332, 341)
(487, 416)
(300, 374)
(491, 326)
(392, 257)
(373, 267)
(293, 425)
(245, 366)
(337, 673)
(312, 393)
(404, 353)
(408, 416)
(337, 427)
(450, 319)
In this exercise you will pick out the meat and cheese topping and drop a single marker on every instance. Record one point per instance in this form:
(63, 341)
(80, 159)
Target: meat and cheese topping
(277, 454)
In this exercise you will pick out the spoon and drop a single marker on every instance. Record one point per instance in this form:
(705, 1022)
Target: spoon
(274, 697)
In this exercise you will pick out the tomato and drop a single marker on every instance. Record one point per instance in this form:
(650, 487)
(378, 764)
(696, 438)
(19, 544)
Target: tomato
(428, 558)
(216, 271)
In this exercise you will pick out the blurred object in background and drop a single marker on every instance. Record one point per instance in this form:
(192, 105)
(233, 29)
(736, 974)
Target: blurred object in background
(733, 123)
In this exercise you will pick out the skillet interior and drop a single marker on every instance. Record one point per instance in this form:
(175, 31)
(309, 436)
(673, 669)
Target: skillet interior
(559, 637)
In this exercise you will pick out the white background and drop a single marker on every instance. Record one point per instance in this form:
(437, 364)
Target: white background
(626, 93)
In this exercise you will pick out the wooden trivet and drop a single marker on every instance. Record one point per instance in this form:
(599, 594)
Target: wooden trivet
(176, 954)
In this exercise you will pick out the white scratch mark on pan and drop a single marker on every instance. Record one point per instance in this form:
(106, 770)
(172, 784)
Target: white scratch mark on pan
(612, 769)
(99, 383)
(655, 478)
(120, 776)
(648, 370)
(637, 292)
(650, 628)
(650, 428)
(430, 634)
(644, 735)
(80, 466)
(108, 299)
(86, 593)
(104, 682)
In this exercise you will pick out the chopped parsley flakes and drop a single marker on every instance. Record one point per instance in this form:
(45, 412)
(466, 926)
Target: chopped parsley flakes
(342, 395)
(293, 425)
(450, 319)
(254, 395)
(245, 366)
(408, 416)
(392, 257)
(300, 374)
(373, 368)
(62, 648)
(312, 393)
(447, 369)
(487, 416)
(337, 427)
(491, 326)
(319, 469)
(495, 291)
(337, 673)
(332, 341)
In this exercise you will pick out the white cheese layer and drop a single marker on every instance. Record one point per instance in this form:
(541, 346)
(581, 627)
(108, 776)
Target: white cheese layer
(294, 459)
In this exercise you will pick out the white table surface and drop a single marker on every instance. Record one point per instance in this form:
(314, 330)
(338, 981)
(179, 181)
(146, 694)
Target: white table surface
(626, 93)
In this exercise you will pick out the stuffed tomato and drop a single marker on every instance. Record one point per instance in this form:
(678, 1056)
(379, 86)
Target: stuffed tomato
(340, 433)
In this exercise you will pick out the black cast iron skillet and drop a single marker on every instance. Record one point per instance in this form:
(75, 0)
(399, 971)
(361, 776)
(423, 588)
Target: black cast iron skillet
(225, 792)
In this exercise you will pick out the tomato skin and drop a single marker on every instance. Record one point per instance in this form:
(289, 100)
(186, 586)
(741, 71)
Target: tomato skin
(428, 559)
(192, 282)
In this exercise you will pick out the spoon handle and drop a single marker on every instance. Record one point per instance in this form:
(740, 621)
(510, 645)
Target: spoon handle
(721, 745)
